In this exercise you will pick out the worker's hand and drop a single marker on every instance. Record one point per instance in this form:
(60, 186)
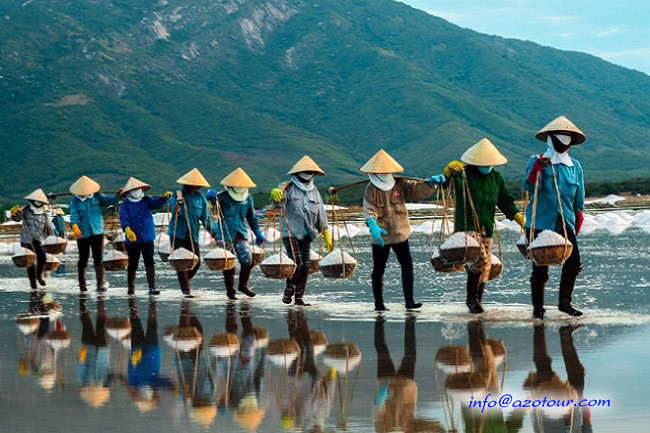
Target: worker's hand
(167, 194)
(520, 219)
(329, 244)
(76, 230)
(580, 218)
(277, 194)
(259, 237)
(453, 167)
(130, 235)
(437, 179)
(540, 164)
(16, 213)
(375, 231)
(332, 190)
(119, 191)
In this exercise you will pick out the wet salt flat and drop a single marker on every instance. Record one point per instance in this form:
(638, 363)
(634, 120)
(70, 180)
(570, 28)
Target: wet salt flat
(401, 375)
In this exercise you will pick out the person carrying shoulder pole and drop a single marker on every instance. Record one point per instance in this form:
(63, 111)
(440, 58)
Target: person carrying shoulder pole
(304, 212)
(385, 213)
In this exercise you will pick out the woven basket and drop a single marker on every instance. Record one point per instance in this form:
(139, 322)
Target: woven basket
(523, 249)
(52, 264)
(114, 265)
(313, 266)
(338, 270)
(550, 255)
(277, 271)
(258, 257)
(119, 246)
(24, 261)
(439, 265)
(495, 271)
(183, 265)
(163, 256)
(220, 264)
(462, 255)
(55, 248)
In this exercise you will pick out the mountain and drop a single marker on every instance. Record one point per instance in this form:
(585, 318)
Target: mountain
(113, 88)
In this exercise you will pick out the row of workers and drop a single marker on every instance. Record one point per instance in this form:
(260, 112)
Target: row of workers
(384, 208)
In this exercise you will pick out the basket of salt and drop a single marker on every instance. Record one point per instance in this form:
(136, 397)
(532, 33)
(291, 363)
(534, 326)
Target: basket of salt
(224, 345)
(258, 255)
(314, 260)
(282, 352)
(549, 248)
(460, 248)
(498, 350)
(52, 263)
(522, 245)
(118, 327)
(115, 261)
(59, 339)
(220, 259)
(453, 359)
(495, 268)
(278, 266)
(343, 357)
(337, 264)
(318, 341)
(164, 250)
(261, 337)
(55, 245)
(27, 323)
(185, 339)
(183, 260)
(24, 258)
(119, 243)
(439, 264)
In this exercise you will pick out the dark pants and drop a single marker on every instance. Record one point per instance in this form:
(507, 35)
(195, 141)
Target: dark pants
(299, 251)
(138, 336)
(385, 367)
(135, 250)
(37, 270)
(380, 257)
(85, 245)
(93, 336)
(541, 272)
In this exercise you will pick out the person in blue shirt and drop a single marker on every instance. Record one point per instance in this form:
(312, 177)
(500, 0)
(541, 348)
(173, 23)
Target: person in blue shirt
(87, 225)
(237, 208)
(560, 135)
(189, 206)
(136, 220)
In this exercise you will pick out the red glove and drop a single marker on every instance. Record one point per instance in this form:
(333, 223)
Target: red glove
(540, 164)
(580, 218)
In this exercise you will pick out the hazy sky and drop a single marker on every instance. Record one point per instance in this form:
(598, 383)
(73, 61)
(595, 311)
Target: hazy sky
(616, 30)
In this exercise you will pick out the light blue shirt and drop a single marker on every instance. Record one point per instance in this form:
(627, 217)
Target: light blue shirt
(87, 214)
(197, 212)
(572, 193)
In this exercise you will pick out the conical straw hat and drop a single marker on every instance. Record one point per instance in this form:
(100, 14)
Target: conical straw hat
(193, 178)
(561, 124)
(84, 186)
(37, 195)
(483, 154)
(382, 163)
(134, 183)
(95, 396)
(238, 179)
(306, 164)
(204, 414)
(251, 418)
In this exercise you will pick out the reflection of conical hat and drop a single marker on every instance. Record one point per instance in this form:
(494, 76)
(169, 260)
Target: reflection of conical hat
(306, 164)
(382, 163)
(95, 396)
(37, 195)
(561, 124)
(118, 327)
(224, 345)
(146, 405)
(204, 414)
(47, 380)
(250, 419)
(261, 337)
(482, 154)
(84, 186)
(453, 359)
(238, 179)
(134, 183)
(193, 178)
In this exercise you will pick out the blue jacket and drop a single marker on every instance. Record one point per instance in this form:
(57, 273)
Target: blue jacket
(198, 211)
(137, 215)
(572, 192)
(87, 214)
(235, 215)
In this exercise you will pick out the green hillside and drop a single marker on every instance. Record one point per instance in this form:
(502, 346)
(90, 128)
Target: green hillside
(115, 88)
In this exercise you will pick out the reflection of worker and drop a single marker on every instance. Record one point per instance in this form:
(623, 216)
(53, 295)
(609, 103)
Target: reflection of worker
(37, 354)
(94, 356)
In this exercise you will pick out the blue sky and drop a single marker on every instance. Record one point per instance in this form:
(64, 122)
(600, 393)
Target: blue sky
(616, 30)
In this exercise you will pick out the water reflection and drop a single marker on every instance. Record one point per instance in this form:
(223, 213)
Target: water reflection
(93, 358)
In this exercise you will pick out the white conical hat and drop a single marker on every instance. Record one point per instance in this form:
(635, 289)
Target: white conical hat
(561, 124)
(306, 164)
(483, 154)
(382, 163)
(238, 179)
(193, 178)
(134, 183)
(37, 195)
(84, 186)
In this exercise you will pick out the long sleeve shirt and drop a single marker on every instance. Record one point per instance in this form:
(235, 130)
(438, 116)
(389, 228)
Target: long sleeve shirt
(87, 214)
(197, 212)
(36, 227)
(235, 216)
(138, 216)
(304, 211)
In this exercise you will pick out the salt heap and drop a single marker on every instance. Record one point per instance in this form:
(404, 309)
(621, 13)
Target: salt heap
(548, 238)
(460, 240)
(219, 259)
(495, 261)
(182, 254)
(54, 240)
(460, 248)
(114, 255)
(23, 257)
(276, 259)
(272, 235)
(337, 258)
(219, 253)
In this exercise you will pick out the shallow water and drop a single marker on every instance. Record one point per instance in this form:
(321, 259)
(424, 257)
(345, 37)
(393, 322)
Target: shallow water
(97, 382)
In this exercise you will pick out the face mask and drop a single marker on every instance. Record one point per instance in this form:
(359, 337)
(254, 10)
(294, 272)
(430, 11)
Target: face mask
(384, 182)
(561, 155)
(305, 177)
(301, 183)
(37, 207)
(485, 169)
(135, 195)
(36, 203)
(85, 197)
(237, 194)
(561, 142)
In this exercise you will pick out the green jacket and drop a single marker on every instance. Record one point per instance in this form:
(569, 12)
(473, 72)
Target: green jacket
(488, 191)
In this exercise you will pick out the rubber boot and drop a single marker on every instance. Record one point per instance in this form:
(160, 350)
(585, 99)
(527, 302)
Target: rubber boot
(82, 279)
(151, 280)
(378, 295)
(40, 271)
(289, 291)
(537, 293)
(229, 281)
(184, 282)
(31, 274)
(300, 289)
(472, 302)
(244, 276)
(408, 297)
(99, 275)
(567, 283)
(479, 292)
(130, 282)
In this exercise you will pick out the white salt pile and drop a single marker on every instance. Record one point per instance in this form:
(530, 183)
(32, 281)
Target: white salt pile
(165, 248)
(522, 240)
(182, 254)
(257, 250)
(22, 251)
(54, 240)
(495, 260)
(277, 259)
(336, 258)
(272, 235)
(548, 238)
(162, 238)
(51, 258)
(459, 240)
(120, 238)
(313, 255)
(113, 255)
(435, 255)
(219, 253)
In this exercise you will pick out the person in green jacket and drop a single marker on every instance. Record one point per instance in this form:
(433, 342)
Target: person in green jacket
(488, 191)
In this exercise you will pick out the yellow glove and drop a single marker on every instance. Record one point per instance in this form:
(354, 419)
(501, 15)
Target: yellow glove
(82, 354)
(167, 194)
(76, 230)
(331, 373)
(136, 356)
(15, 210)
(130, 235)
(520, 219)
(328, 240)
(453, 167)
(277, 194)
